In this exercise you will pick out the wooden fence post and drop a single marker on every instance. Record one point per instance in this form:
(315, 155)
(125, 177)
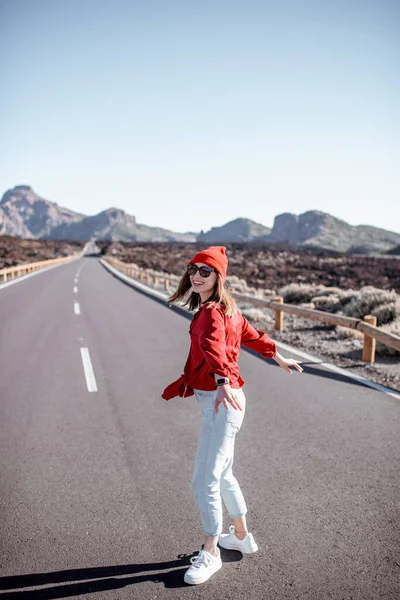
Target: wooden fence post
(368, 353)
(278, 315)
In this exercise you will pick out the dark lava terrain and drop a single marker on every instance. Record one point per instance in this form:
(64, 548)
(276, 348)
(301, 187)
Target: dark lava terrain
(17, 251)
(269, 266)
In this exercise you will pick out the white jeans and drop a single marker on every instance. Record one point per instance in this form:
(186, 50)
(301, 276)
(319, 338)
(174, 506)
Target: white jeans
(213, 478)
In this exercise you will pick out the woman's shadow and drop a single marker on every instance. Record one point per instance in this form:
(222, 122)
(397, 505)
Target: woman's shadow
(101, 578)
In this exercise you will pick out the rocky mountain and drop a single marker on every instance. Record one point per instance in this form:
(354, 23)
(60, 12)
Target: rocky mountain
(313, 228)
(25, 214)
(319, 229)
(239, 230)
(116, 225)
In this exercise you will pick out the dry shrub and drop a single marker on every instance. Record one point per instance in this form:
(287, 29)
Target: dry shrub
(368, 300)
(298, 293)
(256, 315)
(347, 295)
(332, 291)
(383, 304)
(381, 349)
(345, 333)
(335, 301)
(328, 303)
(241, 286)
(386, 313)
(295, 293)
(238, 285)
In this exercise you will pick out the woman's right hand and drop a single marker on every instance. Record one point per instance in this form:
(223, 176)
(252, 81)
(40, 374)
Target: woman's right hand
(226, 396)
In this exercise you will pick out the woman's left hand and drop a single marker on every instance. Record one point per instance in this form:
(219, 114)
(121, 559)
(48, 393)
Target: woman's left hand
(226, 396)
(286, 363)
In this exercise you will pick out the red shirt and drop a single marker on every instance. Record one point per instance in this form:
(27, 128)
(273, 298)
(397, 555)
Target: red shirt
(215, 348)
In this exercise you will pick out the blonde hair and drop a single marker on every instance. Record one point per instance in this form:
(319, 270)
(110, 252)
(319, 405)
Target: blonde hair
(218, 295)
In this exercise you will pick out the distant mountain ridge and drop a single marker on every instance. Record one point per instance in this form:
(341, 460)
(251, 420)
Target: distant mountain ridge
(239, 230)
(25, 214)
(312, 228)
(319, 229)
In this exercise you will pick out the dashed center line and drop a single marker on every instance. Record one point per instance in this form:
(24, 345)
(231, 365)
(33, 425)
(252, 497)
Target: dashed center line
(77, 308)
(88, 369)
(75, 290)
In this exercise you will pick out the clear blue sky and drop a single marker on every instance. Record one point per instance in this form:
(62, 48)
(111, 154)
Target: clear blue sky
(188, 114)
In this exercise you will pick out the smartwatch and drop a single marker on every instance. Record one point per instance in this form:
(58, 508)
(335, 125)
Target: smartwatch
(222, 381)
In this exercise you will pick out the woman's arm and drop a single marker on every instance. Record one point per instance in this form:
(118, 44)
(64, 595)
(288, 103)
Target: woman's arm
(260, 342)
(257, 340)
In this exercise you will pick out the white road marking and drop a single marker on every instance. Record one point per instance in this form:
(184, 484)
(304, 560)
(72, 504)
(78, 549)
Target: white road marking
(77, 308)
(88, 369)
(76, 280)
(75, 290)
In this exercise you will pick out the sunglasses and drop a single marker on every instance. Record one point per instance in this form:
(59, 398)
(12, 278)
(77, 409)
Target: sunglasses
(191, 270)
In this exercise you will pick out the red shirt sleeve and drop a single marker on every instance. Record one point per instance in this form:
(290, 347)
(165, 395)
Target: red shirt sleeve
(212, 341)
(257, 340)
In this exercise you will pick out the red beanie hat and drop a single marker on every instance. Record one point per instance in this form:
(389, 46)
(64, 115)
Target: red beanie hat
(215, 257)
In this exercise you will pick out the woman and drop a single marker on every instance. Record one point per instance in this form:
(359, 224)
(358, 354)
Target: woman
(212, 374)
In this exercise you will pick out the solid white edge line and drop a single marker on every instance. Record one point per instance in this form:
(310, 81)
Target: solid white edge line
(131, 281)
(88, 370)
(308, 357)
(77, 308)
(339, 370)
(24, 277)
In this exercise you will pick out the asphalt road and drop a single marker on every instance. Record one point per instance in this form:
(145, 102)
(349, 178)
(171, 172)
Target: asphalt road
(95, 486)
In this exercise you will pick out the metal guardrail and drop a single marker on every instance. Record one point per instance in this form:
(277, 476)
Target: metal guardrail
(367, 326)
(18, 270)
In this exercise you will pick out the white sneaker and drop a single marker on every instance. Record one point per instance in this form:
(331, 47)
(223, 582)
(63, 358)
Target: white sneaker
(229, 541)
(203, 566)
